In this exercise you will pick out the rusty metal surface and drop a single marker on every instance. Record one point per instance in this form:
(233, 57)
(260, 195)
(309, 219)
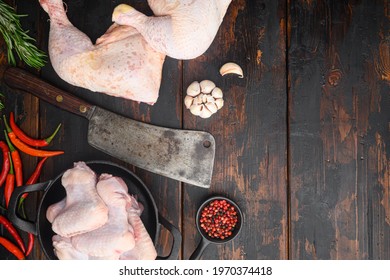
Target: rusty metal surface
(183, 155)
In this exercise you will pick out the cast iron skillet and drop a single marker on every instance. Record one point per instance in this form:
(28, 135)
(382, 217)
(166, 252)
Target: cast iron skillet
(54, 192)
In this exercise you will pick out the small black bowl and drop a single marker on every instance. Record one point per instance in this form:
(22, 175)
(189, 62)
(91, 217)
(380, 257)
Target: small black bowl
(206, 239)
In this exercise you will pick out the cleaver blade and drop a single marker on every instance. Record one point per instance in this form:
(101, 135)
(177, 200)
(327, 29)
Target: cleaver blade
(187, 156)
(183, 155)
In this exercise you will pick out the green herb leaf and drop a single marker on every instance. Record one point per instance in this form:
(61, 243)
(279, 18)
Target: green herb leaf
(17, 40)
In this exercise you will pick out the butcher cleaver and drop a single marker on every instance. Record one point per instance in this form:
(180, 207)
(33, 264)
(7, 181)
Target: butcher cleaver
(183, 155)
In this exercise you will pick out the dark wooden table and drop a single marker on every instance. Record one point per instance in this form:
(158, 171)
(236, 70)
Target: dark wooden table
(303, 141)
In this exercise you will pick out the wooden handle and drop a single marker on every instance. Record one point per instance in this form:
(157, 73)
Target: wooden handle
(22, 80)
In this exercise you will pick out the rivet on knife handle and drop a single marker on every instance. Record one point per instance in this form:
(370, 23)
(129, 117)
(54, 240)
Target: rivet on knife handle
(22, 80)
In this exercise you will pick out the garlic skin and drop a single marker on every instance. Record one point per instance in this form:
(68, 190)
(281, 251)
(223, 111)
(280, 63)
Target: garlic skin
(209, 99)
(195, 109)
(212, 107)
(205, 113)
(188, 100)
(231, 68)
(198, 99)
(193, 89)
(206, 86)
(217, 93)
(203, 99)
(219, 102)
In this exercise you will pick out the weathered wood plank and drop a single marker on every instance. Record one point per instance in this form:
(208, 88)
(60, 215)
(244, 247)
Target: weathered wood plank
(94, 18)
(24, 107)
(250, 131)
(339, 130)
(336, 153)
(4, 254)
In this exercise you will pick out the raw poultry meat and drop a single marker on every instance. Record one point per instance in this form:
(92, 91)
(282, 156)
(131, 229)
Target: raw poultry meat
(121, 65)
(116, 235)
(182, 29)
(54, 209)
(64, 250)
(144, 248)
(122, 236)
(83, 210)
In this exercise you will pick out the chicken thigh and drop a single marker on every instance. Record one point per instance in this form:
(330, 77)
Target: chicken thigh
(121, 65)
(83, 209)
(182, 29)
(116, 235)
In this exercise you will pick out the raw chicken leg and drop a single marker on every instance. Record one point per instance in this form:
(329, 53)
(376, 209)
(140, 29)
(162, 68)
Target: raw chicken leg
(84, 210)
(182, 29)
(144, 248)
(64, 250)
(54, 209)
(116, 235)
(121, 65)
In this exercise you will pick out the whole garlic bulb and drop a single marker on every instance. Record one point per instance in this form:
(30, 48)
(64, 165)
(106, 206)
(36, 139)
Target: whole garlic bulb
(203, 98)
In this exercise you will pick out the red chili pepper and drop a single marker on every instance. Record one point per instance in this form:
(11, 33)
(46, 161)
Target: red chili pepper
(9, 183)
(16, 161)
(27, 149)
(30, 243)
(4, 171)
(12, 248)
(28, 140)
(12, 230)
(31, 237)
(34, 177)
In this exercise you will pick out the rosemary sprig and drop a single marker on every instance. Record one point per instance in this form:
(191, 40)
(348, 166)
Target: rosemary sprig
(17, 40)
(1, 102)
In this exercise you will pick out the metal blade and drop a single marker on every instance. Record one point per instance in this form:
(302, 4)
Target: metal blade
(184, 155)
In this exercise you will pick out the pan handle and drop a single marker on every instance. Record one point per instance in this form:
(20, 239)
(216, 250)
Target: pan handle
(173, 255)
(199, 249)
(12, 215)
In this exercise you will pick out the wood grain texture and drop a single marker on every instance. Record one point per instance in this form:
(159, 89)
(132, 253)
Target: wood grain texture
(94, 18)
(250, 131)
(339, 130)
(303, 140)
(25, 109)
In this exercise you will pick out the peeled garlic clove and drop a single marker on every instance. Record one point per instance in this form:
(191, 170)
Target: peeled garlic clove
(193, 89)
(217, 93)
(219, 102)
(196, 109)
(188, 100)
(205, 113)
(212, 107)
(206, 86)
(231, 68)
